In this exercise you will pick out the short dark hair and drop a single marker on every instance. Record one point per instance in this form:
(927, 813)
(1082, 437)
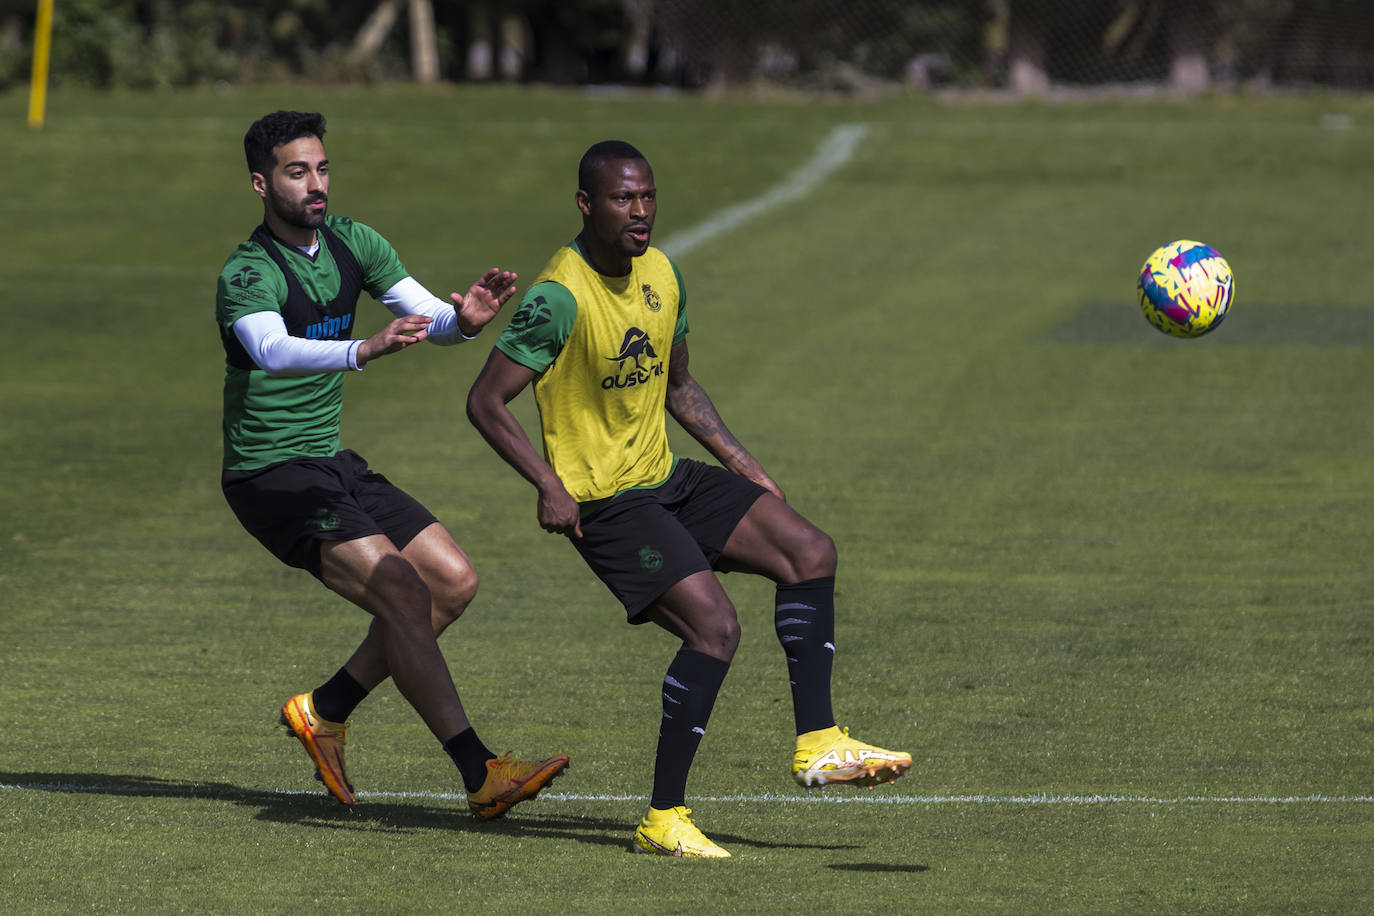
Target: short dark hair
(598, 154)
(274, 130)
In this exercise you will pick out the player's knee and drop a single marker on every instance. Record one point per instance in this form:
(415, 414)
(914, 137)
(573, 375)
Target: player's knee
(719, 634)
(729, 638)
(452, 598)
(815, 556)
(405, 598)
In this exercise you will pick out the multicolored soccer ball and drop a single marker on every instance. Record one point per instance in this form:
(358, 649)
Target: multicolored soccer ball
(1185, 288)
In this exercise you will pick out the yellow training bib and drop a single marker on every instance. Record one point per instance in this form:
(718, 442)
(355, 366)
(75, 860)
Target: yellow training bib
(602, 400)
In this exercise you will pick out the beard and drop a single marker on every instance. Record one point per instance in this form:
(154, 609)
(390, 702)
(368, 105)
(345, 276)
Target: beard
(630, 247)
(296, 214)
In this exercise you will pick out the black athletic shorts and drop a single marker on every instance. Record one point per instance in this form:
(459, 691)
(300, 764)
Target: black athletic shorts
(643, 542)
(293, 506)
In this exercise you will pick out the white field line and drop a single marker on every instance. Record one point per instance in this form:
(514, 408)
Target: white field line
(870, 798)
(835, 150)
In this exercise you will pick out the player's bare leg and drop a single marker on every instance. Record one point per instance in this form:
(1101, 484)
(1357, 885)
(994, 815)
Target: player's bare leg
(394, 592)
(408, 614)
(776, 541)
(452, 582)
(372, 573)
(697, 611)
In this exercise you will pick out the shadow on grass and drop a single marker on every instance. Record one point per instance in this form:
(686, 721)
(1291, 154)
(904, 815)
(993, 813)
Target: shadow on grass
(312, 809)
(316, 809)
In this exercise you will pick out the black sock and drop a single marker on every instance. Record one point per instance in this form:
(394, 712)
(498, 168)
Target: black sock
(470, 755)
(336, 698)
(689, 692)
(804, 617)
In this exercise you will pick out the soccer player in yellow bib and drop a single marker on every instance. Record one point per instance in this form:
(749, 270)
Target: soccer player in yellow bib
(602, 337)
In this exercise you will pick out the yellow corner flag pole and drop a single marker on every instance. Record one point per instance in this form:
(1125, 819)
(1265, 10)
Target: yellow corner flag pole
(42, 44)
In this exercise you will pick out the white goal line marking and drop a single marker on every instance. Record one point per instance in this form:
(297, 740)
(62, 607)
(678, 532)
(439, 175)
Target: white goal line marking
(835, 150)
(214, 791)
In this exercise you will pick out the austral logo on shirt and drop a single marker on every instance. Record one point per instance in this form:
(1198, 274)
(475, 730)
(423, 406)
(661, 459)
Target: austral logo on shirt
(636, 346)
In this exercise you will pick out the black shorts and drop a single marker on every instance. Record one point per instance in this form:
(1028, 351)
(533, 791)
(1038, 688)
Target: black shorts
(646, 541)
(294, 506)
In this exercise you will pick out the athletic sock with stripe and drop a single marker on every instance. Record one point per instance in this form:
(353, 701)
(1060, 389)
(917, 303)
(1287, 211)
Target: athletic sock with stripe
(689, 693)
(804, 618)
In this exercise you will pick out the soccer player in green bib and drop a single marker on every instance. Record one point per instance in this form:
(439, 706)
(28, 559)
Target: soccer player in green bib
(602, 337)
(285, 307)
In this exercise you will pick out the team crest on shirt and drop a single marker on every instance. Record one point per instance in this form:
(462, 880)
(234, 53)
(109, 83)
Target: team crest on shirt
(250, 276)
(326, 520)
(532, 314)
(636, 346)
(246, 286)
(651, 300)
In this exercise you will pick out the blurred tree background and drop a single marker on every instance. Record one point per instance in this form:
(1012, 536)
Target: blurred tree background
(1023, 46)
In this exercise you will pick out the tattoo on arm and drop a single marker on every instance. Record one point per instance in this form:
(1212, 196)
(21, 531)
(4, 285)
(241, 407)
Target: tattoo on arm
(693, 410)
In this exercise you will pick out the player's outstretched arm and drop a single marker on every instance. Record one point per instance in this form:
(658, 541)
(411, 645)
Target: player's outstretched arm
(692, 408)
(500, 380)
(484, 300)
(458, 320)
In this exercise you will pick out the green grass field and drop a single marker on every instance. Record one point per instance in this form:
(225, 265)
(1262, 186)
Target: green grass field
(1112, 590)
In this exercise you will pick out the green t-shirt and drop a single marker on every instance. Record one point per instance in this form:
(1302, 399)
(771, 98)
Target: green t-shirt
(267, 419)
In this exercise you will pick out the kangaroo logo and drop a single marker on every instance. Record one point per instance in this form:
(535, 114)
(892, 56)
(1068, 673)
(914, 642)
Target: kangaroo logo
(635, 345)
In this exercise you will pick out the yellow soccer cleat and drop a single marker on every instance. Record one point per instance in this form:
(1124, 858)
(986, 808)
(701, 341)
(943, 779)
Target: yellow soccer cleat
(324, 741)
(672, 833)
(510, 781)
(829, 755)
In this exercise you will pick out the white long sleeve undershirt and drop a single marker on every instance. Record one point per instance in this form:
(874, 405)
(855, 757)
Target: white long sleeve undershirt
(408, 297)
(264, 335)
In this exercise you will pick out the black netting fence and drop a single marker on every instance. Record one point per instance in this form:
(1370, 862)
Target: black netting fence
(832, 45)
